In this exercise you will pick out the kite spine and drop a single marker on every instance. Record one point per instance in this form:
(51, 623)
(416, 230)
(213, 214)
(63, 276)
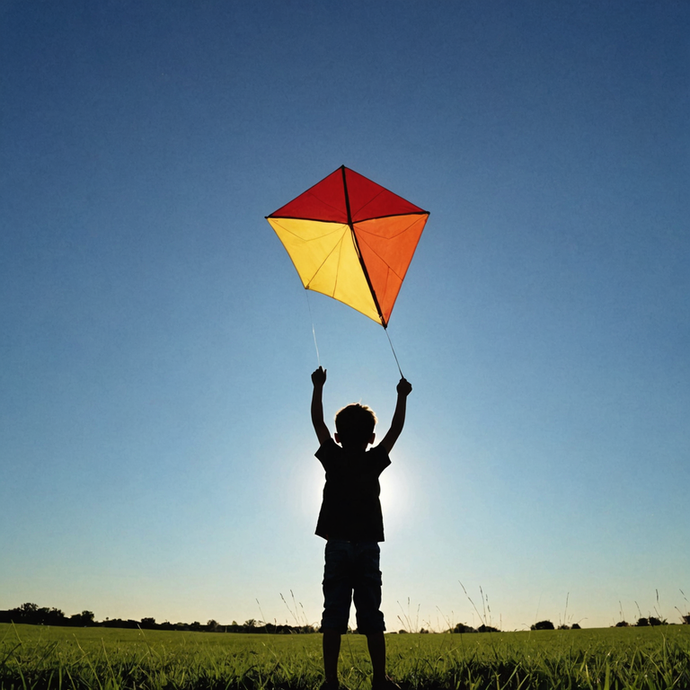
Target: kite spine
(359, 253)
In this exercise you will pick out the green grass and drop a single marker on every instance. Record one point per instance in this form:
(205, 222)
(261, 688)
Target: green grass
(34, 657)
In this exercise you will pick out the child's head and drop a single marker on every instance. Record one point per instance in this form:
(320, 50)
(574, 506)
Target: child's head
(355, 426)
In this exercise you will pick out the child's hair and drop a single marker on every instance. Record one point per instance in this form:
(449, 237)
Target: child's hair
(355, 424)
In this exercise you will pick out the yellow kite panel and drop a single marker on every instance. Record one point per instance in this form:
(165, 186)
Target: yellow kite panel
(327, 261)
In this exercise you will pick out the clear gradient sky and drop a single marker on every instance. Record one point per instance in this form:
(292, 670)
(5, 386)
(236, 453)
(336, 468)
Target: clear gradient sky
(156, 450)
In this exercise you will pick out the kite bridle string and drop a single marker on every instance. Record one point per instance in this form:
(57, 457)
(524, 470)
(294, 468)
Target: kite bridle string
(390, 342)
(313, 330)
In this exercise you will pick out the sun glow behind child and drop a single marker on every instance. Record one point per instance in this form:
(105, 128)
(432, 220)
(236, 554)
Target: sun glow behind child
(397, 502)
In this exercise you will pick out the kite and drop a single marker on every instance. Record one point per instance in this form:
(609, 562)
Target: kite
(351, 239)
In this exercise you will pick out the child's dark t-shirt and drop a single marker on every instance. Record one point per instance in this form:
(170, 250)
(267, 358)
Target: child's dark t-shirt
(351, 508)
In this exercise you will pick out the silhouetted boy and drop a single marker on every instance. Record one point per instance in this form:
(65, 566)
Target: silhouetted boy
(352, 523)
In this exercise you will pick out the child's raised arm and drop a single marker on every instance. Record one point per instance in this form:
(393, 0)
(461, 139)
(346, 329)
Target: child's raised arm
(404, 389)
(318, 378)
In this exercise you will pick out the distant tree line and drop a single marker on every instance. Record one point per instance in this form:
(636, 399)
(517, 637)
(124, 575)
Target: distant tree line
(646, 622)
(548, 625)
(641, 623)
(32, 614)
(463, 628)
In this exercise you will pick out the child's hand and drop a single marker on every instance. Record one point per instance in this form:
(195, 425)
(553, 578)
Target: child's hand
(318, 378)
(404, 387)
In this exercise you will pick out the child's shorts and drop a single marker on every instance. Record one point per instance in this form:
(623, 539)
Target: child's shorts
(352, 568)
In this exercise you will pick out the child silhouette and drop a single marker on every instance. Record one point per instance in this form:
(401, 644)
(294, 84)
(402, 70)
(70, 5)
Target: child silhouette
(352, 523)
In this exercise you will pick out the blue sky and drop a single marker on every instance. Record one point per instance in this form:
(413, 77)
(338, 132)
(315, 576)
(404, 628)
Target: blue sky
(156, 451)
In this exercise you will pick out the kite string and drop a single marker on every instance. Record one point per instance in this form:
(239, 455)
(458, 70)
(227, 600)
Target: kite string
(316, 346)
(390, 342)
(313, 330)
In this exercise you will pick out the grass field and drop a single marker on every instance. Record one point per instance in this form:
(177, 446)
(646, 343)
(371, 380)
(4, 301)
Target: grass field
(44, 657)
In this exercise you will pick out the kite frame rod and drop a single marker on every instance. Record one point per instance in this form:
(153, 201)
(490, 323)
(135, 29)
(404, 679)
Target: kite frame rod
(359, 253)
(320, 220)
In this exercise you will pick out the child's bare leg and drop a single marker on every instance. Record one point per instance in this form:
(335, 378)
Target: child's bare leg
(331, 652)
(377, 652)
